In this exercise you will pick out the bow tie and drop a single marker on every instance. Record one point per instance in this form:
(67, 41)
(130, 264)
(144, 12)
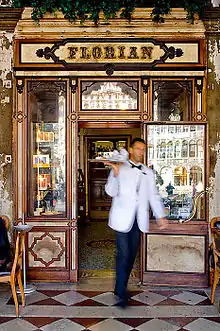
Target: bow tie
(136, 166)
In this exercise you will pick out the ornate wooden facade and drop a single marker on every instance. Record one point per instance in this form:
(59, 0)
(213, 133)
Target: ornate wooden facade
(66, 61)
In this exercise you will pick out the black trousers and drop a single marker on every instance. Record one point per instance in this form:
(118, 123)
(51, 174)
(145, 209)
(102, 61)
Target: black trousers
(126, 250)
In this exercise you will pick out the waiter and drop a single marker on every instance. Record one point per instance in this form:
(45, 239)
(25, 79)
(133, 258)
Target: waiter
(133, 189)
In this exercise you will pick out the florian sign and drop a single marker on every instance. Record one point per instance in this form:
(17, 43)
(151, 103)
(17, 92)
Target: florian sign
(111, 52)
(71, 52)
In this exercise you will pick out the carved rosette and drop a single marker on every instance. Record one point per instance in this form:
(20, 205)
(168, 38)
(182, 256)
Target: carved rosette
(73, 224)
(200, 117)
(73, 117)
(19, 116)
(145, 117)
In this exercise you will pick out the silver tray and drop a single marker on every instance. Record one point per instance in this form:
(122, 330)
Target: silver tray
(23, 227)
(107, 160)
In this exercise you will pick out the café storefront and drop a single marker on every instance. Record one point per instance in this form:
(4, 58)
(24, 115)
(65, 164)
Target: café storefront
(83, 91)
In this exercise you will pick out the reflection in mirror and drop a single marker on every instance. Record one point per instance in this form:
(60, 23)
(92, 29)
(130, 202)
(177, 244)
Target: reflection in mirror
(109, 95)
(47, 148)
(176, 154)
(171, 100)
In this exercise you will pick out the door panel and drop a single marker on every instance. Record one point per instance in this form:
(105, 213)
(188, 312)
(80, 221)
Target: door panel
(99, 201)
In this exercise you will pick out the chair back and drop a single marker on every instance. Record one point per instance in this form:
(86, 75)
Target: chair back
(19, 246)
(215, 235)
(6, 221)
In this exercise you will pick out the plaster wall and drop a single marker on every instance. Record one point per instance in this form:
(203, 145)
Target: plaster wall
(213, 115)
(6, 104)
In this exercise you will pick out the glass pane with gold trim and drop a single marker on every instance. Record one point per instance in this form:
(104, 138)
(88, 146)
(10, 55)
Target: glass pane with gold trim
(46, 148)
(109, 95)
(172, 100)
(176, 153)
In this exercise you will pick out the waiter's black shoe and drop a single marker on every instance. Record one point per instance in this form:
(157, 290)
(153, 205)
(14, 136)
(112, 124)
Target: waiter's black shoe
(126, 297)
(122, 303)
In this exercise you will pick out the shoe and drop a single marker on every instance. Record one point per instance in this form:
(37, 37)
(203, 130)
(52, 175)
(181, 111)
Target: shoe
(123, 303)
(127, 297)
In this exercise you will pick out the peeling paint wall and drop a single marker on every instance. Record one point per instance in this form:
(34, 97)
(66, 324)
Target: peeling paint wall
(6, 104)
(213, 114)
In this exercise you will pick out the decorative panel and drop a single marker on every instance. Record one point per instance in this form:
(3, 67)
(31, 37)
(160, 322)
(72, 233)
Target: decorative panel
(47, 249)
(175, 253)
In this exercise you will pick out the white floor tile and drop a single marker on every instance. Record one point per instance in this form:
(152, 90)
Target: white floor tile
(157, 325)
(149, 298)
(107, 298)
(110, 325)
(189, 298)
(70, 298)
(202, 324)
(17, 325)
(63, 325)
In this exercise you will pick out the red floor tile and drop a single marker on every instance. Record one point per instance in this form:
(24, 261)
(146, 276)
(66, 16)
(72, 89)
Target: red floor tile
(41, 321)
(48, 302)
(52, 293)
(5, 319)
(134, 322)
(89, 302)
(170, 302)
(87, 322)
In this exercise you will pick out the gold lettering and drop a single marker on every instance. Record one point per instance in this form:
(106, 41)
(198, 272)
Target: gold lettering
(121, 52)
(147, 52)
(97, 52)
(133, 53)
(72, 52)
(84, 53)
(109, 52)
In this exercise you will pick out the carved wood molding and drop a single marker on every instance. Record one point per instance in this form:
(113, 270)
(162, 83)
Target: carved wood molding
(9, 18)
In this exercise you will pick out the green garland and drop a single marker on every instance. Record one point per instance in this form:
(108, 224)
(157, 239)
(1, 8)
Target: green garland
(90, 9)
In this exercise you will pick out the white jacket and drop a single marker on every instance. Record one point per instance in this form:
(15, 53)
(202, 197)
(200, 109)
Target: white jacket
(127, 201)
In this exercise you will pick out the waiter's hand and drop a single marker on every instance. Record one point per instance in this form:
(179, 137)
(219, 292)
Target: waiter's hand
(115, 167)
(162, 223)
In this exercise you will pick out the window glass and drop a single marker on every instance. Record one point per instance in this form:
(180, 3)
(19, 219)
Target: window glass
(47, 148)
(178, 163)
(172, 100)
(110, 95)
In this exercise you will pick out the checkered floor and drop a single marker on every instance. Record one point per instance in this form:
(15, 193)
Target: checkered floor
(69, 307)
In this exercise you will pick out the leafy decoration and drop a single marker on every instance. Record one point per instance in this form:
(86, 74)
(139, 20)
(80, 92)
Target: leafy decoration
(90, 9)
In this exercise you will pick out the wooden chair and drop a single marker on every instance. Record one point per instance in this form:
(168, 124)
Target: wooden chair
(6, 221)
(15, 273)
(215, 235)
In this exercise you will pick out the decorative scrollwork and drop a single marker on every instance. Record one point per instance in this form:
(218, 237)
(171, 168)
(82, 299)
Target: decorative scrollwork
(174, 52)
(73, 85)
(199, 85)
(145, 85)
(109, 69)
(20, 86)
(47, 53)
